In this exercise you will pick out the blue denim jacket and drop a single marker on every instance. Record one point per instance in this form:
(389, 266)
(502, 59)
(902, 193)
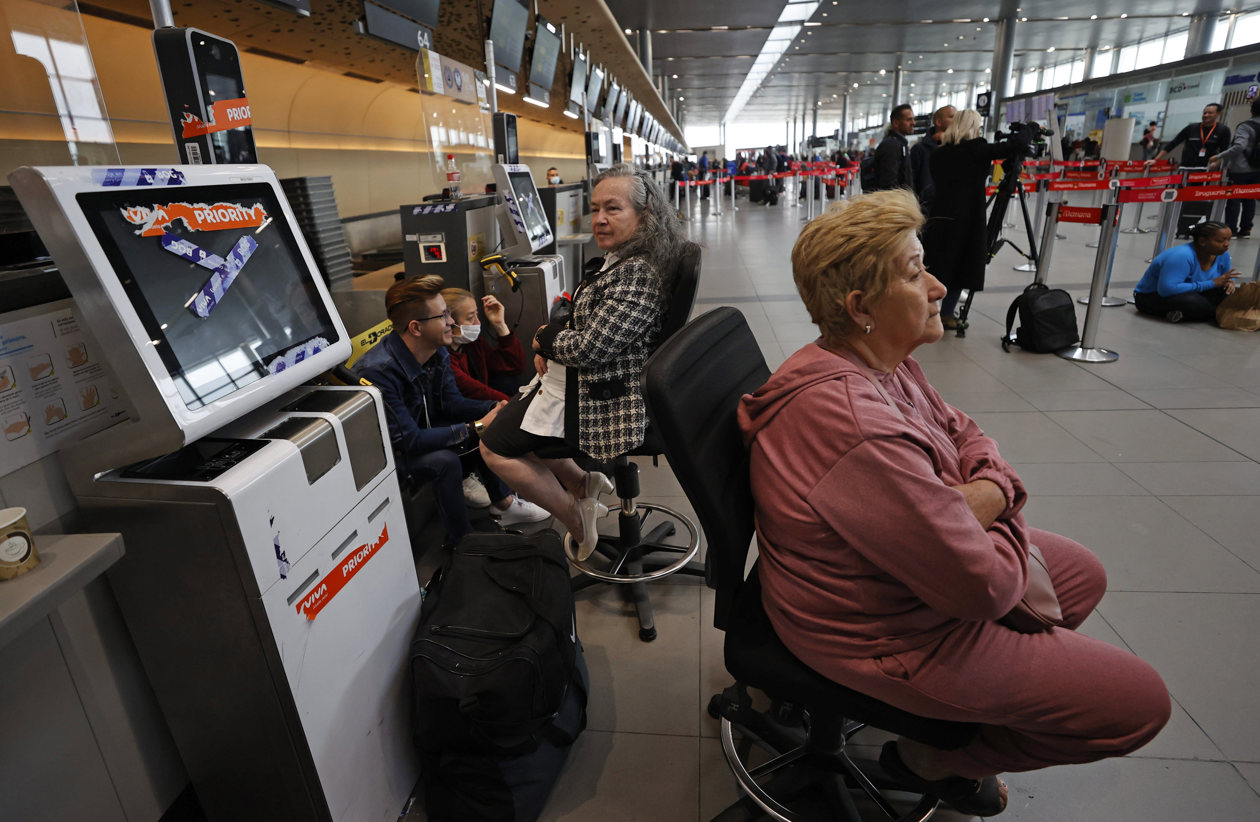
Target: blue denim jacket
(423, 406)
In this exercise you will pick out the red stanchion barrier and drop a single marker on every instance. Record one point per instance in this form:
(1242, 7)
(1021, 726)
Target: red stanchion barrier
(1080, 175)
(1092, 184)
(1200, 193)
(1203, 177)
(1150, 182)
(1080, 214)
(1141, 195)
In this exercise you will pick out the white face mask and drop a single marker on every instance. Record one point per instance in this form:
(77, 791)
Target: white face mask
(554, 179)
(468, 333)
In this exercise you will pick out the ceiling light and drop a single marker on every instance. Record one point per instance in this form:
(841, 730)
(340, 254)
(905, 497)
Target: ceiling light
(1050, 49)
(1123, 16)
(674, 76)
(629, 32)
(984, 20)
(1093, 17)
(986, 71)
(949, 71)
(881, 72)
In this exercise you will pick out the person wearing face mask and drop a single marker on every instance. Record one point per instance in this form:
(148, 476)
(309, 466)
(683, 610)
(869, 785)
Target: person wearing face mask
(553, 176)
(478, 364)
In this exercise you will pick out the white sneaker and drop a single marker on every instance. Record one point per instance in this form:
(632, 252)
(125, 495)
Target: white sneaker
(520, 511)
(475, 493)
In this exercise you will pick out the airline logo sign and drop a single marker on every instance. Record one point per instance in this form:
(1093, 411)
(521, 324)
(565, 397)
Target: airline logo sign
(323, 592)
(224, 115)
(196, 216)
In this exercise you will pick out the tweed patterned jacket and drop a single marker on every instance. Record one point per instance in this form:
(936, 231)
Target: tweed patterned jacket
(616, 320)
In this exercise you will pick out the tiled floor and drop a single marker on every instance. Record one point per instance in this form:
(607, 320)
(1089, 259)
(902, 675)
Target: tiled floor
(1153, 461)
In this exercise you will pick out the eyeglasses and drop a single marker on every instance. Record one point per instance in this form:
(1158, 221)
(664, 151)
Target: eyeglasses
(445, 315)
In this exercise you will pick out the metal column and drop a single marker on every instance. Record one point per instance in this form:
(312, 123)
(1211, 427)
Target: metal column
(896, 89)
(1003, 59)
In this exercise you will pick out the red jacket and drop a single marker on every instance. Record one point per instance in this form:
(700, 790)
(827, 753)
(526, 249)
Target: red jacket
(474, 364)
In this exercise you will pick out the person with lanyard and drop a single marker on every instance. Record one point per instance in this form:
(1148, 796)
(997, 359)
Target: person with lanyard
(1202, 140)
(1188, 282)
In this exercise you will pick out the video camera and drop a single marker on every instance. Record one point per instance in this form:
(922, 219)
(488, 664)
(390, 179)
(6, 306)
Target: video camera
(1032, 136)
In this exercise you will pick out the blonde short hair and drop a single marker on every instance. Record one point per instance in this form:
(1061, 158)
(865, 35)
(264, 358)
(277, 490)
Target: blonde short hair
(455, 297)
(966, 126)
(851, 247)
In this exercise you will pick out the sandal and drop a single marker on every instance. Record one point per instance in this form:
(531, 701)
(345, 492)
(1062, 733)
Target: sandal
(975, 797)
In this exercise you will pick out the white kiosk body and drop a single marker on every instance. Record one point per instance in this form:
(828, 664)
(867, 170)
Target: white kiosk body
(268, 580)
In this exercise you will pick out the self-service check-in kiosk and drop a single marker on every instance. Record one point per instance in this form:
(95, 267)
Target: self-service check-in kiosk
(268, 582)
(527, 282)
(564, 205)
(492, 245)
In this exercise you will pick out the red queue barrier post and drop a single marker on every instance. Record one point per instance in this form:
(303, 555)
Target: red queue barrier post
(1106, 215)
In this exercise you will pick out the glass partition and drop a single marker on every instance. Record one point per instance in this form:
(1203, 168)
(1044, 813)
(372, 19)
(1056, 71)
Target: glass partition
(51, 108)
(455, 108)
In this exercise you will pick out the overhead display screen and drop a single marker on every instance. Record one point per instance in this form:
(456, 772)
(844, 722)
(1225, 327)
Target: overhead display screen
(507, 30)
(542, 66)
(577, 84)
(218, 281)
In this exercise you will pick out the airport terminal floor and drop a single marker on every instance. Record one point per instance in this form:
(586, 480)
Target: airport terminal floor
(1152, 461)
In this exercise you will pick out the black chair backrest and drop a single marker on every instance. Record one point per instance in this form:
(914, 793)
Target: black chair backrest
(686, 279)
(693, 384)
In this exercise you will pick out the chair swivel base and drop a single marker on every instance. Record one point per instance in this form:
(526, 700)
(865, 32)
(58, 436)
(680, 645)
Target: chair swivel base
(803, 756)
(634, 559)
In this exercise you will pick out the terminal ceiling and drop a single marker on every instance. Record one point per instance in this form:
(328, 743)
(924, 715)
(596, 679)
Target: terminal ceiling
(705, 47)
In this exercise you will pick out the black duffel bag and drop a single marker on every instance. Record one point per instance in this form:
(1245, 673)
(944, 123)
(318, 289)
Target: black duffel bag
(496, 651)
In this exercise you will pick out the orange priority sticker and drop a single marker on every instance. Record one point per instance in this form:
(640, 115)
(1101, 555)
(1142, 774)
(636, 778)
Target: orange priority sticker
(195, 216)
(224, 115)
(323, 591)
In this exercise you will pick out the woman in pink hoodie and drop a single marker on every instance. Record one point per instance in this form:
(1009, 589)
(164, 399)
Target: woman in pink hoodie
(891, 539)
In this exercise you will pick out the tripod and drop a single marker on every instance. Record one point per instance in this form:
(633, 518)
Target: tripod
(1011, 168)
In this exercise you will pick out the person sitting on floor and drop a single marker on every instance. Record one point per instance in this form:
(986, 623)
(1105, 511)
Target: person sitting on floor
(432, 426)
(1187, 282)
(891, 540)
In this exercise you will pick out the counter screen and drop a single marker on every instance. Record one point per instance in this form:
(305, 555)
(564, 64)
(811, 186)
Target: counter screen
(217, 279)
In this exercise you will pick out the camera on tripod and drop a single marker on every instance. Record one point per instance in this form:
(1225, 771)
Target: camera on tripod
(1032, 136)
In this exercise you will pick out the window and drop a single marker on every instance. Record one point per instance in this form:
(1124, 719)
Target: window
(1247, 30)
(1128, 59)
(1028, 81)
(1149, 53)
(1175, 44)
(1061, 76)
(1102, 63)
(1220, 35)
(1077, 73)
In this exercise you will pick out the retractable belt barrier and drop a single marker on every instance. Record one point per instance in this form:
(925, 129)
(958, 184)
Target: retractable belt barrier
(1108, 217)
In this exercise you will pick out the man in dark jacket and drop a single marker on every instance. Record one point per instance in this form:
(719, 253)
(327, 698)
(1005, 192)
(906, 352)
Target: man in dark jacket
(892, 157)
(1203, 139)
(919, 169)
(429, 420)
(1238, 159)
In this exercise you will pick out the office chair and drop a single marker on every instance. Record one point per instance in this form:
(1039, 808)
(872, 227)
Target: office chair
(693, 383)
(633, 558)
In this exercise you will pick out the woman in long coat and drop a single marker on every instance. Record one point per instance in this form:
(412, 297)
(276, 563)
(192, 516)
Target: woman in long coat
(954, 237)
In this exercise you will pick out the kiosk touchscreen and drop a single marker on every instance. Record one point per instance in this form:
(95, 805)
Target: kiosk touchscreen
(527, 220)
(196, 281)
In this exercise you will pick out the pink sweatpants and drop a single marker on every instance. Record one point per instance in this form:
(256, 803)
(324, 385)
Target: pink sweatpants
(1042, 699)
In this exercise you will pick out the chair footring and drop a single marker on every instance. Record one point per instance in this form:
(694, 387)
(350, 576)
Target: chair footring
(615, 573)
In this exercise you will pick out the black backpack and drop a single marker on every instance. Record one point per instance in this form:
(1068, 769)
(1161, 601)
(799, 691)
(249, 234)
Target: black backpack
(496, 651)
(868, 174)
(1047, 320)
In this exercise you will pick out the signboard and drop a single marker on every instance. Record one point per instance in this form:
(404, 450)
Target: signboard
(442, 75)
(53, 387)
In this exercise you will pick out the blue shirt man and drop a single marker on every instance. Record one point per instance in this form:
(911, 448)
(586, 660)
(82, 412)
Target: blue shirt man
(430, 421)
